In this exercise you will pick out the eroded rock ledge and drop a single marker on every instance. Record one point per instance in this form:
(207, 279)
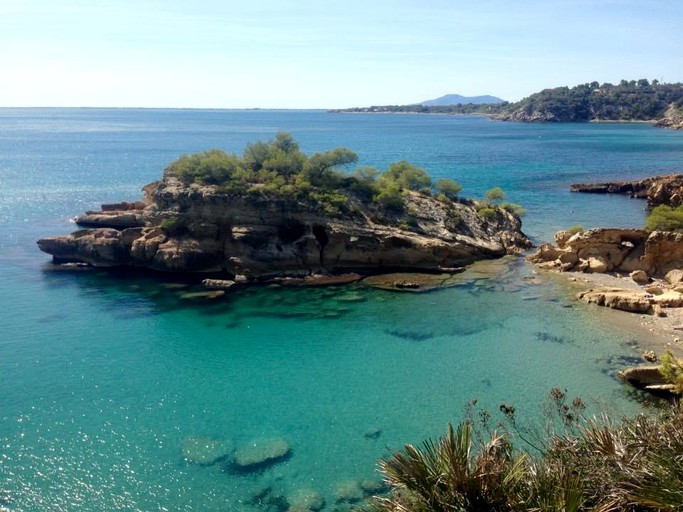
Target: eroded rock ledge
(195, 228)
(658, 190)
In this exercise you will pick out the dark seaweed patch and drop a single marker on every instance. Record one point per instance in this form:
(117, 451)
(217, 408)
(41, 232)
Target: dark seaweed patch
(411, 335)
(552, 338)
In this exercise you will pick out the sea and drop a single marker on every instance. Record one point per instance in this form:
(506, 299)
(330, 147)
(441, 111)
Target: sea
(108, 378)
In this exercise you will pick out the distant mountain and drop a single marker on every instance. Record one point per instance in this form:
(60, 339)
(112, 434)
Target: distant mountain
(457, 99)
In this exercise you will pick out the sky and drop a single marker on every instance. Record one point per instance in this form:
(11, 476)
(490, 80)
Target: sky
(324, 53)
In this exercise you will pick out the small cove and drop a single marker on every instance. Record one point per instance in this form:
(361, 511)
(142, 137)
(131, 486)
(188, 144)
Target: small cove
(103, 377)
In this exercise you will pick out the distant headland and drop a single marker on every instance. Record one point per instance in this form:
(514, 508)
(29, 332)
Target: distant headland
(636, 100)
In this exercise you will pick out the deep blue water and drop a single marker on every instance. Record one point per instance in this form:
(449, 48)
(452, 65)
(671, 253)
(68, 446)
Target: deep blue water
(102, 376)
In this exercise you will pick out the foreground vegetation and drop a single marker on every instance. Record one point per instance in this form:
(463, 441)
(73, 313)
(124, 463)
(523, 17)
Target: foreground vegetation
(576, 464)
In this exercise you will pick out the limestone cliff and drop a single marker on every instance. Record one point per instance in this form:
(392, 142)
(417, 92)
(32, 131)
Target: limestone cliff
(613, 250)
(184, 227)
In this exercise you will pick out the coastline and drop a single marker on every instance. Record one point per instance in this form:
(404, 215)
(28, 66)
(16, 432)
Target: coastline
(624, 121)
(652, 332)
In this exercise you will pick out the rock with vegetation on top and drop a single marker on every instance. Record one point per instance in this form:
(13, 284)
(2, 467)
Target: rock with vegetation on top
(648, 377)
(276, 212)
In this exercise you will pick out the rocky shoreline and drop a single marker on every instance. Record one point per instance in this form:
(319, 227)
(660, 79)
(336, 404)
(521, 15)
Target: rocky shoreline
(667, 190)
(632, 270)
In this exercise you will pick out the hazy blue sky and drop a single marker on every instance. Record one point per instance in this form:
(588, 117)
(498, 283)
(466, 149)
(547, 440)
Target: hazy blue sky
(320, 54)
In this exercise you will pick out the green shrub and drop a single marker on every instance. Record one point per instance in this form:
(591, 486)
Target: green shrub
(672, 371)
(448, 188)
(212, 167)
(390, 197)
(514, 209)
(487, 213)
(453, 222)
(406, 176)
(665, 218)
(332, 203)
(495, 196)
(573, 230)
(172, 226)
(577, 465)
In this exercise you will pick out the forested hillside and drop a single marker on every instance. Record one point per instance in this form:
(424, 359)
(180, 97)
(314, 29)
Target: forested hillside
(633, 100)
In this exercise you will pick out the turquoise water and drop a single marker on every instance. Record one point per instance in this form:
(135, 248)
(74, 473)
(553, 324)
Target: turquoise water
(102, 376)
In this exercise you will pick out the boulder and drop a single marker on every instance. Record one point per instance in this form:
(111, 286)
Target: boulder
(674, 276)
(647, 377)
(624, 300)
(567, 261)
(218, 284)
(597, 265)
(650, 356)
(639, 276)
(262, 452)
(658, 311)
(204, 450)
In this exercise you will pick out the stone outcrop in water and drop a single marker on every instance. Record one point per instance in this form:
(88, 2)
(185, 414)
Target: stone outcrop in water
(666, 190)
(260, 453)
(197, 228)
(647, 377)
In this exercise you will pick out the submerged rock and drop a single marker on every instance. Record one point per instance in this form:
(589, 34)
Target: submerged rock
(204, 450)
(306, 499)
(349, 491)
(260, 453)
(373, 433)
(411, 282)
(372, 486)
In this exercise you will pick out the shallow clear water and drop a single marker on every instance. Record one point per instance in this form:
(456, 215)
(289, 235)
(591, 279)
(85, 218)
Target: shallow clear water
(102, 376)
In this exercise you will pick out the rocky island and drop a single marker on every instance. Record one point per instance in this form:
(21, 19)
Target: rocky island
(276, 213)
